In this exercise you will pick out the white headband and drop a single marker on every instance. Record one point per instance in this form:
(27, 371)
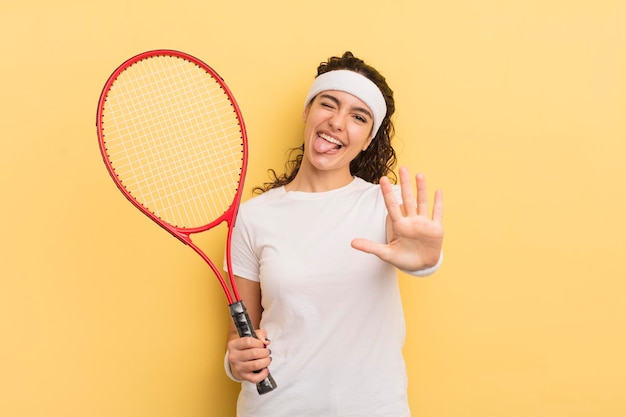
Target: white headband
(353, 83)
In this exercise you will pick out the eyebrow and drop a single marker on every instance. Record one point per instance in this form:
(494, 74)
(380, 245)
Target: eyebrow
(337, 102)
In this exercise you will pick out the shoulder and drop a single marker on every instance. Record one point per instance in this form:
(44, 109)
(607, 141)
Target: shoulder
(359, 185)
(265, 198)
(259, 205)
(371, 189)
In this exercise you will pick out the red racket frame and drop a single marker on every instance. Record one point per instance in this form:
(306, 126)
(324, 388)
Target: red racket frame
(237, 308)
(184, 234)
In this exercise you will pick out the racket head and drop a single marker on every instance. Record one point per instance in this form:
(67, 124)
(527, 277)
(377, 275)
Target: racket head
(174, 141)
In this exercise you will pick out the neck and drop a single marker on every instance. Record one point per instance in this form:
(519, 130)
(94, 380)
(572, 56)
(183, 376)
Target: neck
(315, 181)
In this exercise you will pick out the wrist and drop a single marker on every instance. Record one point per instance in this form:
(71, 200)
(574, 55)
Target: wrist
(426, 271)
(228, 370)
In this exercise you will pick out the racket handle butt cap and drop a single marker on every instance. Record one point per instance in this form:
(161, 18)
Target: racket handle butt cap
(267, 385)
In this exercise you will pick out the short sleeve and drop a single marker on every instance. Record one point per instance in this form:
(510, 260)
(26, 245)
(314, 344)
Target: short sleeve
(243, 255)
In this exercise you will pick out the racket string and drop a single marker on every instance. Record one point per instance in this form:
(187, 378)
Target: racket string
(188, 144)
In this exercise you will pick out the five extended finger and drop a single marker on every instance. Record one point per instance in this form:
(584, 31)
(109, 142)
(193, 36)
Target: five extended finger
(438, 206)
(422, 195)
(393, 207)
(406, 190)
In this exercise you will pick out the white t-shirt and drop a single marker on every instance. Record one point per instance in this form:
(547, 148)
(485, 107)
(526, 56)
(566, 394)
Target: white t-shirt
(334, 314)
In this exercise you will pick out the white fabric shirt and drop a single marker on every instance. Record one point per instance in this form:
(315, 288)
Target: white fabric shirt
(334, 314)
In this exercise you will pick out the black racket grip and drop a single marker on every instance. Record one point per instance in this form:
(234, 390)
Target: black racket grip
(244, 327)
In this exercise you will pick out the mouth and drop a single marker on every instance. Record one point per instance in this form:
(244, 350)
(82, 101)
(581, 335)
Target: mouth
(332, 143)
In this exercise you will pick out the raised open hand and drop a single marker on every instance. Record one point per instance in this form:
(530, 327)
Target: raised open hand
(414, 239)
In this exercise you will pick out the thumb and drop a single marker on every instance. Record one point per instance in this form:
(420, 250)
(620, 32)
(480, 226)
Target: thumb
(368, 246)
(261, 334)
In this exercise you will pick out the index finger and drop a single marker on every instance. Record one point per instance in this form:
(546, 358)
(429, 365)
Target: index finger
(393, 207)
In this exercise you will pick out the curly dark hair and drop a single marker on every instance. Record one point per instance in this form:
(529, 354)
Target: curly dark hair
(378, 159)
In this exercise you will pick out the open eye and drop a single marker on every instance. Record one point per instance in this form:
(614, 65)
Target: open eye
(361, 118)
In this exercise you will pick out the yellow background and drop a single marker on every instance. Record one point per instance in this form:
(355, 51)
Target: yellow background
(516, 109)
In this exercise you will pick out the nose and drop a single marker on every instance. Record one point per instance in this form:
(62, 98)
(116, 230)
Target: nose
(337, 121)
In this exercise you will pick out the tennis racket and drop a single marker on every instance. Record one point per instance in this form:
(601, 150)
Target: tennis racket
(174, 141)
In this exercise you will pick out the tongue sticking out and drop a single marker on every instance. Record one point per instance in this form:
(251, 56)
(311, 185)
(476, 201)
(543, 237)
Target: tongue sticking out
(323, 146)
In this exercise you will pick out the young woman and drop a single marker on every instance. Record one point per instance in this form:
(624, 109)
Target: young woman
(316, 256)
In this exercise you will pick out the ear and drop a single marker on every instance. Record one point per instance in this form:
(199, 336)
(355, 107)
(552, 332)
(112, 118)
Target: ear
(367, 144)
(305, 112)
